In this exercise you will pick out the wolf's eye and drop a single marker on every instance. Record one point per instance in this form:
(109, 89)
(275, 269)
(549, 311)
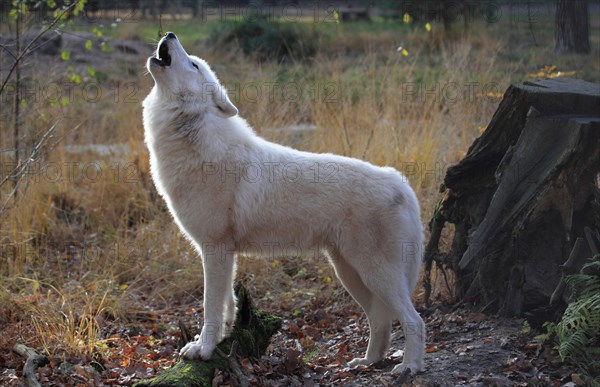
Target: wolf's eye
(196, 66)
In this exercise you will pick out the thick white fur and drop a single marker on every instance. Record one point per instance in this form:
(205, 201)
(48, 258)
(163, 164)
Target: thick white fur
(231, 191)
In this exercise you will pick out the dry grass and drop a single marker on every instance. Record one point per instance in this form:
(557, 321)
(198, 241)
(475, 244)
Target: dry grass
(89, 241)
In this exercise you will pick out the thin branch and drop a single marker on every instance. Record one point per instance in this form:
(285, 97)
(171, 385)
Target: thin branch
(369, 139)
(35, 39)
(19, 171)
(5, 48)
(45, 42)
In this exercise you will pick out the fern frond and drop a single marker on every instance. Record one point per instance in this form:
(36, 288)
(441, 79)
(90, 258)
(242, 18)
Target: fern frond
(578, 331)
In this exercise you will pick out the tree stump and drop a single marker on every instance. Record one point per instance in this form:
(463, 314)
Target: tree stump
(250, 337)
(523, 194)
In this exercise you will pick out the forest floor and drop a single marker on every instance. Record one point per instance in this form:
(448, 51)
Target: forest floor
(318, 337)
(94, 273)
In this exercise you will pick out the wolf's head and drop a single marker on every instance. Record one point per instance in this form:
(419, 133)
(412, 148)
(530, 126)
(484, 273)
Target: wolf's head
(188, 79)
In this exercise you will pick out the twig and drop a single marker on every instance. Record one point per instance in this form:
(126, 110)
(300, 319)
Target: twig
(5, 48)
(486, 306)
(186, 336)
(33, 361)
(369, 139)
(18, 172)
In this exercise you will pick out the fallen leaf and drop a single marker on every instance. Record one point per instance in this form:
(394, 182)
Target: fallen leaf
(292, 359)
(247, 364)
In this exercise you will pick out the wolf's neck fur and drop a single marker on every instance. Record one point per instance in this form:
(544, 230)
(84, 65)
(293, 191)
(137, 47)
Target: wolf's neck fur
(169, 125)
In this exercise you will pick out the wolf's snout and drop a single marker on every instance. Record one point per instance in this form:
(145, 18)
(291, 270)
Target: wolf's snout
(170, 35)
(164, 58)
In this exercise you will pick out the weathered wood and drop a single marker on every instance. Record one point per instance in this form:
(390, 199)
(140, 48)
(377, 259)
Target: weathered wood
(580, 253)
(250, 337)
(522, 195)
(34, 360)
(577, 252)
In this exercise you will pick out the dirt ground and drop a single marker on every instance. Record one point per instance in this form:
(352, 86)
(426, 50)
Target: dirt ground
(318, 337)
(463, 348)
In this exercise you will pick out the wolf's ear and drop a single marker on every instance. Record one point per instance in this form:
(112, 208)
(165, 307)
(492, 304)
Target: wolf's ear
(225, 108)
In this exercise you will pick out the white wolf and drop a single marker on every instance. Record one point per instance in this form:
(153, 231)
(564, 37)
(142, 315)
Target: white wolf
(233, 192)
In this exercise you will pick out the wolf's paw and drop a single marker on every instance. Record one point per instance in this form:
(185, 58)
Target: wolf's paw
(359, 361)
(197, 349)
(400, 368)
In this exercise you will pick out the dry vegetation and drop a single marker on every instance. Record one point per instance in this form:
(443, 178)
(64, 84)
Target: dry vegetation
(88, 244)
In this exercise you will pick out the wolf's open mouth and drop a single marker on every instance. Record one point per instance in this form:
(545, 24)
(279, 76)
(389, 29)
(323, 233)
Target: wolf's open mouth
(164, 59)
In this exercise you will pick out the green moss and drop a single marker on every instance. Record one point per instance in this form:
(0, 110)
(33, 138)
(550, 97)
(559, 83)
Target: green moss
(252, 331)
(192, 373)
(253, 328)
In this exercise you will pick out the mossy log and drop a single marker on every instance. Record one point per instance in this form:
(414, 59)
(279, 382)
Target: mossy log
(526, 190)
(250, 337)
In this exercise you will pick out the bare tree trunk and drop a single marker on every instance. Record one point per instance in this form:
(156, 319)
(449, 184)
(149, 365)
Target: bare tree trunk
(198, 9)
(447, 16)
(17, 123)
(530, 21)
(572, 26)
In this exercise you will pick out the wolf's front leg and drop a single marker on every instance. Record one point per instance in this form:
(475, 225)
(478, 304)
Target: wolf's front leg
(218, 262)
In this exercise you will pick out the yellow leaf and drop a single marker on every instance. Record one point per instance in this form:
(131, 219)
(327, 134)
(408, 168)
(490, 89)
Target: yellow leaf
(76, 79)
(336, 17)
(404, 52)
(406, 18)
(428, 27)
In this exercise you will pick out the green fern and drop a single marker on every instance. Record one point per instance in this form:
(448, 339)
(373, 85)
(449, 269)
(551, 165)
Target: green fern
(579, 329)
